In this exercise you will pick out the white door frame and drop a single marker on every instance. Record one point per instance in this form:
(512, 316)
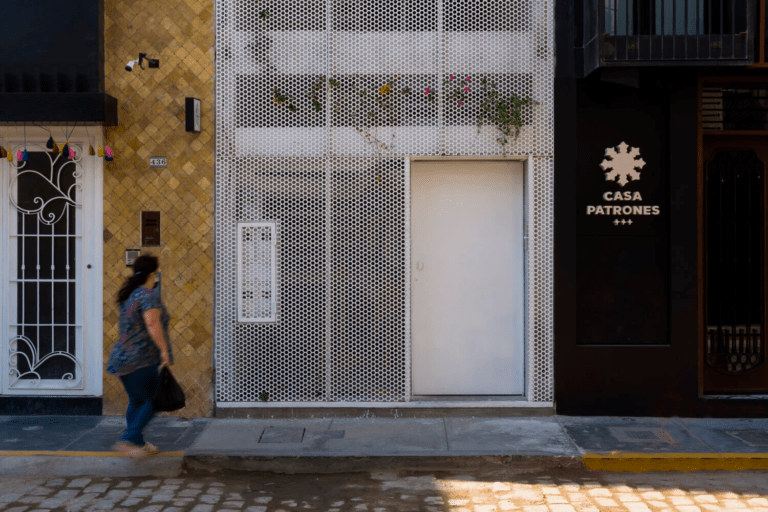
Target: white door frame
(90, 265)
(526, 160)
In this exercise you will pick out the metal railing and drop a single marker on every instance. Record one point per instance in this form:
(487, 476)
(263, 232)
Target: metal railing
(677, 31)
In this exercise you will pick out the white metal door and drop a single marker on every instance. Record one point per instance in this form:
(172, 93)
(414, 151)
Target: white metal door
(467, 277)
(51, 274)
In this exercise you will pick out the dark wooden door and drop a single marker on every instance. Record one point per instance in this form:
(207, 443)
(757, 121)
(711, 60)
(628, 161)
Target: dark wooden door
(734, 270)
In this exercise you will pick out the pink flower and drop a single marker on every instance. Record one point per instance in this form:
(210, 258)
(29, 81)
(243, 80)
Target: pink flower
(466, 89)
(468, 79)
(452, 77)
(426, 91)
(461, 103)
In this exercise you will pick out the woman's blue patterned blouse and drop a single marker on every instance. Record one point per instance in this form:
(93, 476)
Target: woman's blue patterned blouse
(135, 349)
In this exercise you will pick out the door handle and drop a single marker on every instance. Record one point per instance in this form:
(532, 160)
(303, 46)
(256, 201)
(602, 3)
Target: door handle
(419, 265)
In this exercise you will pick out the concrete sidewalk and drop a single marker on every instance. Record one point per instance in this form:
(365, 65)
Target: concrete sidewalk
(71, 445)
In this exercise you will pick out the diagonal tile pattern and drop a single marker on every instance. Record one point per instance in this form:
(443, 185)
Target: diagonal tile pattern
(151, 123)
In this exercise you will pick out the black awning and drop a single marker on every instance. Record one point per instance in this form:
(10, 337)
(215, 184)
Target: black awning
(52, 63)
(43, 108)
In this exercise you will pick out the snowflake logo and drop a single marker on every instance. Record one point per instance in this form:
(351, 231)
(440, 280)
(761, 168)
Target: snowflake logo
(623, 164)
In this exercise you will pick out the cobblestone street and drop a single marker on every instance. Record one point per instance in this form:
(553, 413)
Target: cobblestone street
(553, 491)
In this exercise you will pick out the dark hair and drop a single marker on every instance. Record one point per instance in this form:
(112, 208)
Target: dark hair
(142, 267)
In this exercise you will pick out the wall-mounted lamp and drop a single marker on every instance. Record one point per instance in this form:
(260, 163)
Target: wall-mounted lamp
(192, 114)
(151, 63)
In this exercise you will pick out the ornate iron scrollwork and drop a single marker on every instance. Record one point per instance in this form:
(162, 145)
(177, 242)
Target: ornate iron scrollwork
(65, 198)
(34, 361)
(734, 353)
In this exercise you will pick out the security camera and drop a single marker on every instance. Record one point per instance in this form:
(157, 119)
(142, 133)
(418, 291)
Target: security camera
(152, 63)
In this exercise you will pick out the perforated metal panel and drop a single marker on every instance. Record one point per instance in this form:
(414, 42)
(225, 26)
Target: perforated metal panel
(368, 275)
(318, 104)
(540, 279)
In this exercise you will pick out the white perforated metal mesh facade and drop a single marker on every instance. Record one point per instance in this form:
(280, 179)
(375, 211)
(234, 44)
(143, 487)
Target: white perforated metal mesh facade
(318, 105)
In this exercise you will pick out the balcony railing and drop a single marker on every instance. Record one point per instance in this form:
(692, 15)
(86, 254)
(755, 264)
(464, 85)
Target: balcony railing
(678, 32)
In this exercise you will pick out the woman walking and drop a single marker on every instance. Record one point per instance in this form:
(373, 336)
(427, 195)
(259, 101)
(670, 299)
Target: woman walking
(143, 348)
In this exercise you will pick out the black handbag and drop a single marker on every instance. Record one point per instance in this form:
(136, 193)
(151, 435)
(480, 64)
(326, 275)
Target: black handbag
(170, 396)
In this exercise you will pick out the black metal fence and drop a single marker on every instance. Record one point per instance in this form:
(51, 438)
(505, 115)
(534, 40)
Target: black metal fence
(678, 30)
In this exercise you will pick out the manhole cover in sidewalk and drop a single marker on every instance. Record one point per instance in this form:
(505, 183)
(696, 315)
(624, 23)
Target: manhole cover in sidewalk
(282, 435)
(750, 437)
(641, 434)
(330, 434)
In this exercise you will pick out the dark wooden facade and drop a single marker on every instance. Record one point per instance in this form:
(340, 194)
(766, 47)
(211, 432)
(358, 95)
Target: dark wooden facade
(630, 297)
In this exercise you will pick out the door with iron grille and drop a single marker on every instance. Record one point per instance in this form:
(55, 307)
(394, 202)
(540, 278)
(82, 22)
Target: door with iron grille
(51, 283)
(734, 245)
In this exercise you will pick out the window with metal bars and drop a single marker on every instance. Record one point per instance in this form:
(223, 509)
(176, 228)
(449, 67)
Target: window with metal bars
(735, 277)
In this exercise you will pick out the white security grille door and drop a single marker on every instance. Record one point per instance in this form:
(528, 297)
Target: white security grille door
(256, 272)
(319, 104)
(46, 327)
(46, 343)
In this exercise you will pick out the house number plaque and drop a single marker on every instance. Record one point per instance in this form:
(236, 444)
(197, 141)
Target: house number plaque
(158, 161)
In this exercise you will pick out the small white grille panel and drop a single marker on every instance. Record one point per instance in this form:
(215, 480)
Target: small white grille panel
(308, 139)
(256, 272)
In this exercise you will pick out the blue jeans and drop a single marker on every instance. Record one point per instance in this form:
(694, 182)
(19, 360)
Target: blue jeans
(141, 387)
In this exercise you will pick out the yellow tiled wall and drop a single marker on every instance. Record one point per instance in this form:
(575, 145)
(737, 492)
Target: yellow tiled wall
(151, 123)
